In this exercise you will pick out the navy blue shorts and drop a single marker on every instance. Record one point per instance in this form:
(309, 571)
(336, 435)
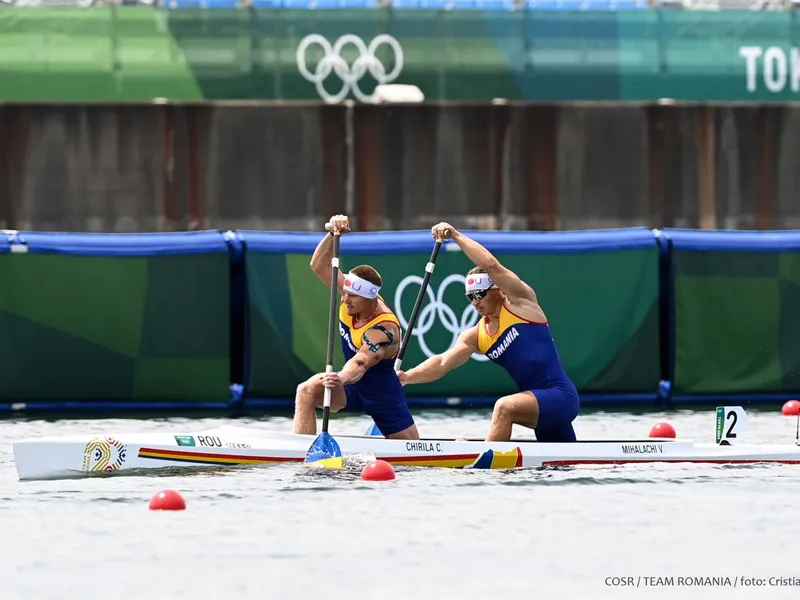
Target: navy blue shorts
(390, 414)
(558, 408)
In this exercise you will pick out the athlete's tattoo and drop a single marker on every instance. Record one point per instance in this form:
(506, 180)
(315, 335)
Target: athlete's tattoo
(375, 347)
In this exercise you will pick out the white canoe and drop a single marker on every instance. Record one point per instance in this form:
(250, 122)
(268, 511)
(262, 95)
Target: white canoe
(231, 446)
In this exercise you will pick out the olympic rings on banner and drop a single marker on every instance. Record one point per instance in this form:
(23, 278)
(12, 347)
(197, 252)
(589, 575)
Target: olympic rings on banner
(332, 61)
(436, 310)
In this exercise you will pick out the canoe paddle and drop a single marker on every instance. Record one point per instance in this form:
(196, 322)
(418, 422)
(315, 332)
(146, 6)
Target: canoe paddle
(417, 305)
(373, 429)
(325, 451)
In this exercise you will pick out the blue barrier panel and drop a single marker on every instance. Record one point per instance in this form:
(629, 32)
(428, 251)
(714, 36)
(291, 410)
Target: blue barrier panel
(125, 319)
(599, 289)
(735, 318)
(402, 242)
(124, 244)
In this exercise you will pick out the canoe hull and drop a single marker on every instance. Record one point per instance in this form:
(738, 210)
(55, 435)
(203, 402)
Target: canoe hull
(231, 446)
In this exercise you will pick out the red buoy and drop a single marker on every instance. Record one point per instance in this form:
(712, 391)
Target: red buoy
(378, 470)
(167, 500)
(791, 408)
(662, 430)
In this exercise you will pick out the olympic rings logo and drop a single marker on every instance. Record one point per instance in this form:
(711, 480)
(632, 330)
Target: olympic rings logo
(350, 75)
(437, 309)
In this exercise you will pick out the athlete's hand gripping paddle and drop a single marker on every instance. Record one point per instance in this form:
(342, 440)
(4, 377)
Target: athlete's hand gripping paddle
(325, 451)
(417, 305)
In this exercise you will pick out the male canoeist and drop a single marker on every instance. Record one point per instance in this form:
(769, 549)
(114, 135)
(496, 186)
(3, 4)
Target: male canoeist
(514, 334)
(371, 339)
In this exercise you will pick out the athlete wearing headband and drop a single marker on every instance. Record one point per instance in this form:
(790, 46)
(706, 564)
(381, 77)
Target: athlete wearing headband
(371, 336)
(477, 286)
(514, 334)
(354, 284)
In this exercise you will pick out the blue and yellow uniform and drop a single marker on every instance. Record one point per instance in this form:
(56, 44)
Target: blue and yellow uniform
(526, 350)
(378, 393)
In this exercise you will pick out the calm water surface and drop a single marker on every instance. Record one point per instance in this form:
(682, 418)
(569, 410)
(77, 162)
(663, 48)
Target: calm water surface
(272, 532)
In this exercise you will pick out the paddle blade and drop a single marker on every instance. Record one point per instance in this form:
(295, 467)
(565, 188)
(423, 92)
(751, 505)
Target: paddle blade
(325, 452)
(336, 462)
(373, 431)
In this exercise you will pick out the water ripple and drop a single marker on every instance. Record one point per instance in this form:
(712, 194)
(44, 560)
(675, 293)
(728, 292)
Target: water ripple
(332, 532)
(114, 500)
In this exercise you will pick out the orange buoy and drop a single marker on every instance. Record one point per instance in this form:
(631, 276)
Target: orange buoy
(662, 430)
(378, 470)
(791, 408)
(167, 500)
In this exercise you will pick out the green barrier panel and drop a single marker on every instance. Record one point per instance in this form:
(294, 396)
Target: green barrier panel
(736, 319)
(115, 318)
(601, 298)
(113, 53)
(287, 324)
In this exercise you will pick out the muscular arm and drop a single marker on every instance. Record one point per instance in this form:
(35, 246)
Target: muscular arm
(438, 366)
(507, 280)
(376, 346)
(321, 261)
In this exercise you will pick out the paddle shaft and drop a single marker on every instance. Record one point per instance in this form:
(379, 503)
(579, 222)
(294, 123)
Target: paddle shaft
(326, 405)
(418, 304)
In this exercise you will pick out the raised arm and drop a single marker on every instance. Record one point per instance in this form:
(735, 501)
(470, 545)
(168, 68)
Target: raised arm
(506, 280)
(438, 366)
(321, 259)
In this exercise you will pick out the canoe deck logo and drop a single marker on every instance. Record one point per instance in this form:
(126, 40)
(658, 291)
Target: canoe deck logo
(436, 310)
(493, 459)
(184, 440)
(103, 454)
(366, 61)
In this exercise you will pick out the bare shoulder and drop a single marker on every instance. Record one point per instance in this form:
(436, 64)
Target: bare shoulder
(526, 307)
(383, 306)
(388, 329)
(469, 336)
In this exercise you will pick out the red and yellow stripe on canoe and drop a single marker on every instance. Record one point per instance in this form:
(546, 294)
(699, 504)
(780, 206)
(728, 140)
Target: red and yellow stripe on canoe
(203, 458)
(490, 459)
